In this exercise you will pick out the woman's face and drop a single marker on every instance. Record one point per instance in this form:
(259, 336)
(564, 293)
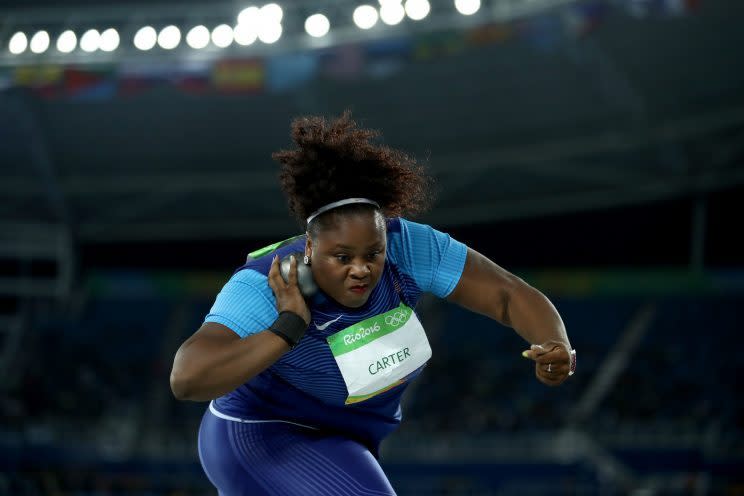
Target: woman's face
(347, 258)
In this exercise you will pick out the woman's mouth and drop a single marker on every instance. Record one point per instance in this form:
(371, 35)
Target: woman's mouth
(359, 288)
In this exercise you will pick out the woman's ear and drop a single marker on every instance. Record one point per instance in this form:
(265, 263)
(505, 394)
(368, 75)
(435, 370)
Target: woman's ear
(308, 249)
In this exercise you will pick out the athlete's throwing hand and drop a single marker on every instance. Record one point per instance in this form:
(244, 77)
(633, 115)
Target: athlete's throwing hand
(288, 296)
(552, 362)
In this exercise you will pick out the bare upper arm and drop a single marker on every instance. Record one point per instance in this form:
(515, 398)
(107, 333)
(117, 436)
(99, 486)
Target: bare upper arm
(209, 335)
(484, 287)
(207, 349)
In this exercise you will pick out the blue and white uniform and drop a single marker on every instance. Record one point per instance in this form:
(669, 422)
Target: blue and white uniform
(298, 405)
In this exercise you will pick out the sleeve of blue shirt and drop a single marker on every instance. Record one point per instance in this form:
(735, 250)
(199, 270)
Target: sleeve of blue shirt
(432, 258)
(245, 304)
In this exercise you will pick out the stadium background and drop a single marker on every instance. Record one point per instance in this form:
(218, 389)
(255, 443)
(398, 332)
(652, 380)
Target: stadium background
(594, 148)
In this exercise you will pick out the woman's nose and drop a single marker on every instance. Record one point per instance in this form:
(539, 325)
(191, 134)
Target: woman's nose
(360, 270)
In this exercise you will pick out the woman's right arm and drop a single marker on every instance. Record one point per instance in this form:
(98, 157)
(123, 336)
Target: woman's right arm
(215, 360)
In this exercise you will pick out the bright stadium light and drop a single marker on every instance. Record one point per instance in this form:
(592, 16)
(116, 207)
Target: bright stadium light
(109, 40)
(392, 13)
(18, 43)
(145, 38)
(67, 41)
(467, 7)
(365, 16)
(39, 42)
(198, 37)
(317, 25)
(169, 37)
(245, 34)
(250, 16)
(417, 9)
(270, 32)
(222, 35)
(271, 12)
(90, 40)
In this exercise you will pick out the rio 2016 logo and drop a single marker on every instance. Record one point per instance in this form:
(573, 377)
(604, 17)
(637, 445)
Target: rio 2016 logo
(361, 333)
(394, 320)
(397, 318)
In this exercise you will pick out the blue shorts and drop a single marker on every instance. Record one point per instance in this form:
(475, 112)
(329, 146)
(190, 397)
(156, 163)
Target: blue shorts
(281, 458)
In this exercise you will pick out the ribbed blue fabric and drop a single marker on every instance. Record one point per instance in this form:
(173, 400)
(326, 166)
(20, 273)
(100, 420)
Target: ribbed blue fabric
(245, 304)
(433, 259)
(281, 459)
(305, 385)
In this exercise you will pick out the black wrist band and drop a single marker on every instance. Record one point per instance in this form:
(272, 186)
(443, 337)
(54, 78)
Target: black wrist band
(290, 327)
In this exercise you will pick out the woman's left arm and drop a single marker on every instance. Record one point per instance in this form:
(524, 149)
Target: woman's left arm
(488, 289)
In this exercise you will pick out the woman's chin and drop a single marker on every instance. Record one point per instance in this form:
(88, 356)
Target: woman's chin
(352, 299)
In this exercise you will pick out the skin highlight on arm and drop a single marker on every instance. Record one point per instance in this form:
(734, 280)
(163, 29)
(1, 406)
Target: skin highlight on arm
(215, 360)
(488, 289)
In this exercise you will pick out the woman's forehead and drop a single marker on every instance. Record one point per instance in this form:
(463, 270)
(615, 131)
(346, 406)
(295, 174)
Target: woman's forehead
(357, 230)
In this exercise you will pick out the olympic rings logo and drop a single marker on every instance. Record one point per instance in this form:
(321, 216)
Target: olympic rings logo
(397, 318)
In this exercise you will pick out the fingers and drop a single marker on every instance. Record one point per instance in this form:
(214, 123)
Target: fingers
(550, 379)
(292, 278)
(550, 352)
(559, 355)
(276, 281)
(553, 369)
(546, 347)
(552, 362)
(553, 377)
(287, 293)
(275, 278)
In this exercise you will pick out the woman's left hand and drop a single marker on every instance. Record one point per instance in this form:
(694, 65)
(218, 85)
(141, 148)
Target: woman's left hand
(552, 361)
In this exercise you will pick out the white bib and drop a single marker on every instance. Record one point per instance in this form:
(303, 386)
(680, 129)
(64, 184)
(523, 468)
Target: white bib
(377, 354)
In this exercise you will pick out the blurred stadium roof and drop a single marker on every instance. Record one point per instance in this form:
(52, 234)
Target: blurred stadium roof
(637, 111)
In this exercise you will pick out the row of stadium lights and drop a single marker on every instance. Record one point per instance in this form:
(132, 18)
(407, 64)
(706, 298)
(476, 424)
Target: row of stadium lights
(253, 23)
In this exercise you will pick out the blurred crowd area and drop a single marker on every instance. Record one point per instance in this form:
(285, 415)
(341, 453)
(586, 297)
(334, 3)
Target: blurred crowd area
(87, 408)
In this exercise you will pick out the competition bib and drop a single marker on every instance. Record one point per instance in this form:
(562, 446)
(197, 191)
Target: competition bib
(377, 354)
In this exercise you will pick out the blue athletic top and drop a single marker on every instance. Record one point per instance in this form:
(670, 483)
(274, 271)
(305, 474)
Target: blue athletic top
(305, 385)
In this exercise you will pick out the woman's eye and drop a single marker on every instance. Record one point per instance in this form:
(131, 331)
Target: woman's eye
(342, 258)
(373, 255)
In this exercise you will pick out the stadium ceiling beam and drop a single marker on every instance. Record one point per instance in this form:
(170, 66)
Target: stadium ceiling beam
(595, 145)
(561, 159)
(536, 158)
(509, 208)
(265, 226)
(445, 213)
(81, 186)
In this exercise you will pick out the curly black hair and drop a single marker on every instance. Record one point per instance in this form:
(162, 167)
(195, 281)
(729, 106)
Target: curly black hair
(335, 159)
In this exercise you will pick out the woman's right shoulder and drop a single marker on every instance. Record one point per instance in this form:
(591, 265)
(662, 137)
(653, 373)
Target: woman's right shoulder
(245, 303)
(248, 287)
(247, 279)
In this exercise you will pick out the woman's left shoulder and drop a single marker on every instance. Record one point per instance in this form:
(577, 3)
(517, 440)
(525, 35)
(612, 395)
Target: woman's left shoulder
(393, 224)
(398, 224)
